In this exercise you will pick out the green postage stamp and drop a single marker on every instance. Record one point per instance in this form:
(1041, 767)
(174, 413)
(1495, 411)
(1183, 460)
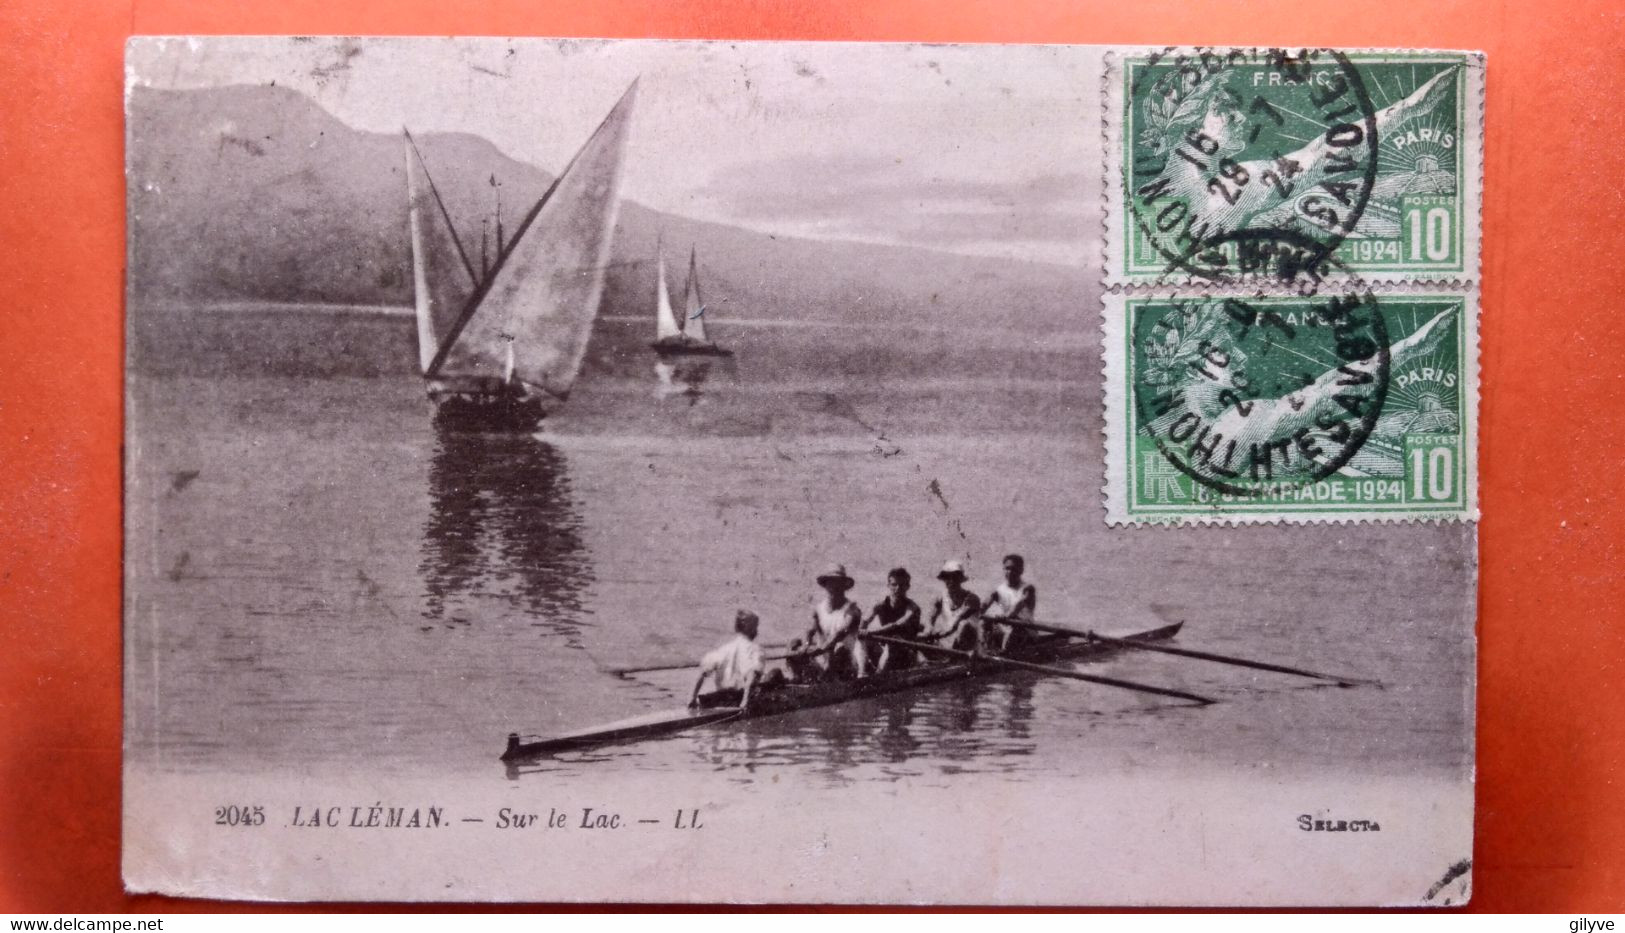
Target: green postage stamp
(1344, 405)
(1222, 163)
(1291, 265)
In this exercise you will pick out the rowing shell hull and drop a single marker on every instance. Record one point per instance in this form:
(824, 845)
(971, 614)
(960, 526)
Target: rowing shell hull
(794, 697)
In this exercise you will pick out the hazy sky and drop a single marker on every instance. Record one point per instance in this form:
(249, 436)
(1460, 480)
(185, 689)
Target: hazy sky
(976, 149)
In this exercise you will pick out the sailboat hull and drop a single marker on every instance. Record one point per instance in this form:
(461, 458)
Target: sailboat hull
(494, 407)
(682, 347)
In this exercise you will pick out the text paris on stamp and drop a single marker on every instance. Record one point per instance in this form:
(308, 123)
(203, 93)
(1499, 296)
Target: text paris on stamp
(1373, 158)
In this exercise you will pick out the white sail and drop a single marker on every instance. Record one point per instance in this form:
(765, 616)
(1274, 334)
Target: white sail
(442, 279)
(541, 299)
(666, 327)
(693, 307)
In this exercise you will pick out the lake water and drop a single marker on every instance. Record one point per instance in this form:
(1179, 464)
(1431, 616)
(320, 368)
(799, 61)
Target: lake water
(317, 581)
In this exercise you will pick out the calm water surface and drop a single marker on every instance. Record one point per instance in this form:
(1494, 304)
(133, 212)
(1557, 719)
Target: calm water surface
(318, 580)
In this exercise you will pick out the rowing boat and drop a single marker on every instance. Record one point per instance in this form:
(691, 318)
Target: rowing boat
(792, 697)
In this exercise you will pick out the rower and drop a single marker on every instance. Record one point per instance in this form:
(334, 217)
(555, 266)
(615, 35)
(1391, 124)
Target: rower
(956, 614)
(898, 617)
(736, 666)
(830, 650)
(1016, 599)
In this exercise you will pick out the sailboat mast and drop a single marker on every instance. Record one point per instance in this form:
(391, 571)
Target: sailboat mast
(421, 296)
(693, 306)
(498, 186)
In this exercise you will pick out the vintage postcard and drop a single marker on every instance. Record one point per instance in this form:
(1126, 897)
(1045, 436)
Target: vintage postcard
(641, 471)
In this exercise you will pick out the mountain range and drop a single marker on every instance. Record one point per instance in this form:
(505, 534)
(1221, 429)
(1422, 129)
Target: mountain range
(256, 193)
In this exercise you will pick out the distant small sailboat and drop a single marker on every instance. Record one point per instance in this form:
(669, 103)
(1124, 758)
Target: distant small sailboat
(688, 337)
(668, 333)
(500, 347)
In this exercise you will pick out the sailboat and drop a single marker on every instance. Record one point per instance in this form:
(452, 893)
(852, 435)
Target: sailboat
(688, 337)
(500, 347)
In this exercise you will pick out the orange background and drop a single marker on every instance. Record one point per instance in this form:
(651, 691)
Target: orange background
(1551, 827)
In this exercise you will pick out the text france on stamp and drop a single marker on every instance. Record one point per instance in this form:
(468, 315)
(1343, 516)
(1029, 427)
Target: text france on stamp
(1374, 157)
(1345, 405)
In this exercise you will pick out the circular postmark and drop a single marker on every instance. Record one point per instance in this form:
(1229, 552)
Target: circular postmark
(1267, 142)
(1250, 394)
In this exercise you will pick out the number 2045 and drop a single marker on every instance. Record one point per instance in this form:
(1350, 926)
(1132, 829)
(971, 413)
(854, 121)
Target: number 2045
(239, 816)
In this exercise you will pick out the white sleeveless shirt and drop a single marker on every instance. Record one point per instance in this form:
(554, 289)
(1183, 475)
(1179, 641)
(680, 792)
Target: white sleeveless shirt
(1009, 597)
(832, 622)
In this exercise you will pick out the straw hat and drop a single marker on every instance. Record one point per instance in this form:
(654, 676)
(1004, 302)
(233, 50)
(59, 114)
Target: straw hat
(951, 570)
(835, 573)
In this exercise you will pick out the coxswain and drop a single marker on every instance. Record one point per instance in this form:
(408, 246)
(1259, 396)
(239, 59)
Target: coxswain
(736, 666)
(955, 615)
(895, 616)
(1015, 598)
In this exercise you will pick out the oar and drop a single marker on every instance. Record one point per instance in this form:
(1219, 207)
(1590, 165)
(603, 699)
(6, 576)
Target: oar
(689, 665)
(1039, 668)
(1187, 653)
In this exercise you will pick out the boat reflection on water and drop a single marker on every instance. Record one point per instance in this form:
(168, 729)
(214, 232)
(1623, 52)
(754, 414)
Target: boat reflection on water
(684, 378)
(503, 535)
(970, 725)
